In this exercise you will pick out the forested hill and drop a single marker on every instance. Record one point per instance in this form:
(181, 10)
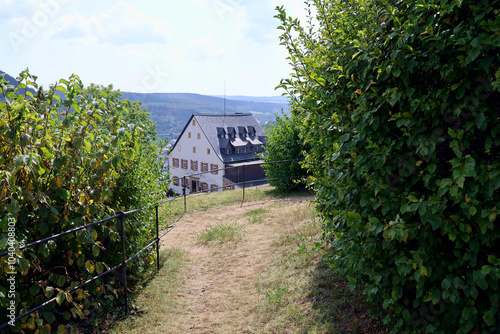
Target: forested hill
(171, 111)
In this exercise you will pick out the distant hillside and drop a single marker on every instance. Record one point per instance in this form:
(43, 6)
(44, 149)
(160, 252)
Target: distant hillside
(171, 111)
(270, 99)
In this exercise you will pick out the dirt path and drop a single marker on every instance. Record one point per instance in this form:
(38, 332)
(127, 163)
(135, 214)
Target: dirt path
(266, 280)
(219, 291)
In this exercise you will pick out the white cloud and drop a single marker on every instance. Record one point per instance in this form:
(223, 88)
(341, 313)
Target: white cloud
(10, 9)
(204, 48)
(124, 24)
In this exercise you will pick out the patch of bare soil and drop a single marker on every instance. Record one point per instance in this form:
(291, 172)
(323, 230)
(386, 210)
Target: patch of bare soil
(219, 292)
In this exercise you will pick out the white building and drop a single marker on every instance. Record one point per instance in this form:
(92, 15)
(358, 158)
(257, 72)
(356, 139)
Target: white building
(212, 143)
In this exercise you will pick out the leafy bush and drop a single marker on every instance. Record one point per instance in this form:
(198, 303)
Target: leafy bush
(63, 153)
(284, 143)
(401, 106)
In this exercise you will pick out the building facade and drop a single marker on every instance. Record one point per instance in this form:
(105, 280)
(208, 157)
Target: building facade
(216, 152)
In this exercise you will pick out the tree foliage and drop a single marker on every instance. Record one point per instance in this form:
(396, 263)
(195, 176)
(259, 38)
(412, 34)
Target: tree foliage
(401, 106)
(66, 155)
(283, 143)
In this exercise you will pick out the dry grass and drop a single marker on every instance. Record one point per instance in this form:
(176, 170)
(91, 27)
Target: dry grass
(271, 280)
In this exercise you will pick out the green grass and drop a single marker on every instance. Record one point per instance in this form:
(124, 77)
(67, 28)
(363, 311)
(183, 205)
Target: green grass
(300, 291)
(156, 297)
(220, 234)
(255, 216)
(173, 211)
(295, 292)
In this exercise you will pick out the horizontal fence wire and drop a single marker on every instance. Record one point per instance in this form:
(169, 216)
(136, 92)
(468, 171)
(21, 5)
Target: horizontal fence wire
(232, 167)
(118, 266)
(149, 245)
(244, 182)
(39, 242)
(122, 214)
(69, 292)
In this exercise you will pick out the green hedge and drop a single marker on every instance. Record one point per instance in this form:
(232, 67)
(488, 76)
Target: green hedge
(63, 153)
(283, 142)
(401, 101)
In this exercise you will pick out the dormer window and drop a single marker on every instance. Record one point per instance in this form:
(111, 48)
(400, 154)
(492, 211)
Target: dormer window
(221, 133)
(251, 131)
(242, 131)
(231, 133)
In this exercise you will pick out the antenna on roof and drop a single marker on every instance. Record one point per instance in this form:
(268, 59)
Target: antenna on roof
(224, 119)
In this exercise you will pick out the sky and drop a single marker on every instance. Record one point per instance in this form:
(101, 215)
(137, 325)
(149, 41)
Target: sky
(146, 46)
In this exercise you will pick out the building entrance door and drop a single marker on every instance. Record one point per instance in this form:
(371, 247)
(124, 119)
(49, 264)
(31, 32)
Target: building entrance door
(194, 185)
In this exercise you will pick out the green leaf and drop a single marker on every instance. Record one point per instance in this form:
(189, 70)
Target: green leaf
(89, 266)
(93, 233)
(76, 107)
(413, 199)
(61, 88)
(95, 250)
(454, 191)
(49, 316)
(445, 183)
(446, 283)
(34, 290)
(23, 265)
(485, 270)
(60, 297)
(396, 71)
(43, 227)
(61, 281)
(88, 146)
(49, 291)
(473, 54)
(432, 168)
(99, 268)
(365, 200)
(67, 316)
(406, 314)
(472, 210)
(479, 279)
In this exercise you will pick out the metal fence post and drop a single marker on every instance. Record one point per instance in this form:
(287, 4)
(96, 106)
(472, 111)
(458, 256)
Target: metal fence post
(244, 177)
(157, 240)
(184, 194)
(124, 263)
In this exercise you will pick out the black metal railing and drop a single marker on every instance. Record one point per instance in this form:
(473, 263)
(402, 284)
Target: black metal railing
(242, 184)
(121, 217)
(122, 265)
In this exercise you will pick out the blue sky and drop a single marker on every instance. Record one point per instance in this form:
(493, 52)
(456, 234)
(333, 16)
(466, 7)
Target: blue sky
(149, 46)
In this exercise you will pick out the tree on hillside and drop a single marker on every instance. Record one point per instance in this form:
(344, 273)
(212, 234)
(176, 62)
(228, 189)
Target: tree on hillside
(400, 101)
(284, 143)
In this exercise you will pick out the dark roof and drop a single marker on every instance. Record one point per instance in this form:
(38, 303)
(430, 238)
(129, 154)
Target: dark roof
(238, 124)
